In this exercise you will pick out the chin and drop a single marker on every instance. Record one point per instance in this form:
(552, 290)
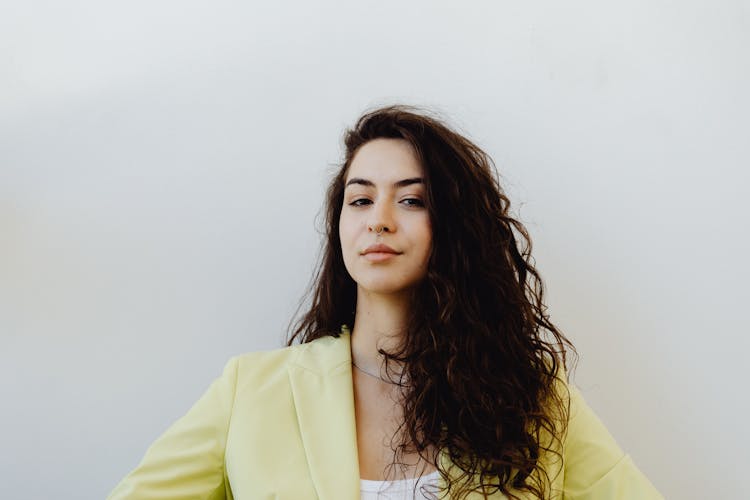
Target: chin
(385, 280)
(385, 287)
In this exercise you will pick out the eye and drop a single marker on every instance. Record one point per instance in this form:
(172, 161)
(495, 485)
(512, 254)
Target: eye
(359, 202)
(413, 202)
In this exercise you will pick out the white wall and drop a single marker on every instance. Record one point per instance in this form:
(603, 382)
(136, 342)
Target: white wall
(162, 165)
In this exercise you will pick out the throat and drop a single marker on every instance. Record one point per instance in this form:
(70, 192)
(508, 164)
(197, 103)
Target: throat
(378, 417)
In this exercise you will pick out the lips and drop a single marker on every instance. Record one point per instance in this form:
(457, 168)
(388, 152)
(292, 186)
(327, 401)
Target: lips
(379, 253)
(379, 248)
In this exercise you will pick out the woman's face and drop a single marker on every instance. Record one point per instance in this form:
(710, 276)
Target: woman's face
(385, 230)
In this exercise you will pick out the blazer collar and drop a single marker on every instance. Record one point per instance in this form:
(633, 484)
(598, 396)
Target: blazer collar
(321, 382)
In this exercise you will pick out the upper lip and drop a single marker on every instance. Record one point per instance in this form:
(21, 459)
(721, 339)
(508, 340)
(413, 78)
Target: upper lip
(380, 248)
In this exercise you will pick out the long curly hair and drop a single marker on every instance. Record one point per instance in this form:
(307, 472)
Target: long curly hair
(481, 358)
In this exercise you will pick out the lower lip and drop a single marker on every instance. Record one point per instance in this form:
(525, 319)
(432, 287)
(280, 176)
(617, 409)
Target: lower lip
(379, 256)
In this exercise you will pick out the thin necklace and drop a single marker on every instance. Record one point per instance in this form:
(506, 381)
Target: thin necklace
(373, 375)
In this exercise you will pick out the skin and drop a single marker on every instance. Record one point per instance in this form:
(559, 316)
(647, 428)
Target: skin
(384, 192)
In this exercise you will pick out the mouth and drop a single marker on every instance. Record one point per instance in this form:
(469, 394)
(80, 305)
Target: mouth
(379, 248)
(379, 253)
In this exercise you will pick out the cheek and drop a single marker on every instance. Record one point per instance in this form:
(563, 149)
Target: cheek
(343, 227)
(425, 234)
(427, 249)
(347, 233)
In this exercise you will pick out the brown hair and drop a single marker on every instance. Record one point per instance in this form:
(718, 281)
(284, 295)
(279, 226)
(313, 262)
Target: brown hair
(481, 355)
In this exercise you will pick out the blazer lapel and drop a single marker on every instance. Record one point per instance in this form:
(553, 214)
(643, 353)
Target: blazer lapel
(321, 381)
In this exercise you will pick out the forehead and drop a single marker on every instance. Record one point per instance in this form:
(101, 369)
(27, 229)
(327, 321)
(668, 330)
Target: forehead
(385, 160)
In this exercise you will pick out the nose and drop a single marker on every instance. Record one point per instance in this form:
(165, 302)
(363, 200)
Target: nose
(381, 220)
(378, 228)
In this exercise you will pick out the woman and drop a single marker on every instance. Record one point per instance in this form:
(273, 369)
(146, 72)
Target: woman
(451, 380)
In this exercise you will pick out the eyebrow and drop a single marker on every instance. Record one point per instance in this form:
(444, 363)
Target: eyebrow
(397, 184)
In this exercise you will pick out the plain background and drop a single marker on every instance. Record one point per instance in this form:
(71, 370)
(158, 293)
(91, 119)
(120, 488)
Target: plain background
(162, 167)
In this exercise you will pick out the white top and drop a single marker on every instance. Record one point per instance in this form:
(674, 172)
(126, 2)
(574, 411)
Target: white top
(403, 489)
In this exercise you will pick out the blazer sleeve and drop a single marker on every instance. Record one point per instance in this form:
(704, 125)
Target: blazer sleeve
(595, 466)
(187, 461)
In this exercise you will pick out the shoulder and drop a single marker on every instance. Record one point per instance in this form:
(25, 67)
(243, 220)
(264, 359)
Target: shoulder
(595, 465)
(320, 355)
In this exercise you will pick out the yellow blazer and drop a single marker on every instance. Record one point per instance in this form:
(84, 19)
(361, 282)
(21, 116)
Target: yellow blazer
(280, 425)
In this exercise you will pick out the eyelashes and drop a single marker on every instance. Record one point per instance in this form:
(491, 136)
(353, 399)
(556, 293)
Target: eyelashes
(413, 202)
(409, 202)
(359, 202)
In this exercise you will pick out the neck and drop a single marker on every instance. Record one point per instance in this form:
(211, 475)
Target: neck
(380, 321)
